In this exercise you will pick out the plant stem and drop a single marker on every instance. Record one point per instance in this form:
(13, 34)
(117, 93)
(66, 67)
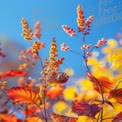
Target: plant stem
(44, 92)
(118, 84)
(96, 81)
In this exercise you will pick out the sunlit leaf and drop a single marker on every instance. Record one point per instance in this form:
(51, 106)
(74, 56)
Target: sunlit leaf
(85, 119)
(61, 118)
(106, 84)
(23, 95)
(118, 118)
(14, 73)
(116, 95)
(7, 118)
(85, 109)
(54, 91)
(34, 119)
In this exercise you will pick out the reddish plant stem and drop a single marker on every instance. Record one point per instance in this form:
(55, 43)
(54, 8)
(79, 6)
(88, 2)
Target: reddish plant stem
(96, 81)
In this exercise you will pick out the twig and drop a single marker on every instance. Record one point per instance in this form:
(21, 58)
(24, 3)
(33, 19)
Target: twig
(118, 84)
(44, 92)
(96, 81)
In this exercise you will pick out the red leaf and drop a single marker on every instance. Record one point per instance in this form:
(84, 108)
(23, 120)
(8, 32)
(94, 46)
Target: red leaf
(14, 73)
(118, 117)
(61, 118)
(105, 83)
(116, 95)
(23, 95)
(85, 109)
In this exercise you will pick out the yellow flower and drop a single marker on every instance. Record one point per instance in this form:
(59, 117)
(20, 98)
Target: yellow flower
(69, 71)
(69, 93)
(60, 107)
(112, 43)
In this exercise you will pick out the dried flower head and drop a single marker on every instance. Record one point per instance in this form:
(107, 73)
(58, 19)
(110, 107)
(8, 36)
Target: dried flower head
(100, 42)
(37, 32)
(37, 46)
(80, 19)
(64, 47)
(68, 30)
(26, 31)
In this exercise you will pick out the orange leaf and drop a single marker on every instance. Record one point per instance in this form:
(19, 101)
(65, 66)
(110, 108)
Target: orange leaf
(116, 95)
(61, 118)
(7, 118)
(23, 95)
(105, 83)
(33, 119)
(54, 91)
(14, 73)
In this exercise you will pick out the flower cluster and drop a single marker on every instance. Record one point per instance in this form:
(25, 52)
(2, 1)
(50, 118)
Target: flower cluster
(28, 58)
(37, 32)
(37, 46)
(85, 47)
(64, 47)
(68, 30)
(26, 32)
(100, 42)
(80, 19)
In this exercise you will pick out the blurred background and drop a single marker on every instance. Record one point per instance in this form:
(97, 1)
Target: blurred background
(53, 14)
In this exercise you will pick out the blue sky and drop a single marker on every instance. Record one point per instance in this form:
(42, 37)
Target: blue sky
(55, 13)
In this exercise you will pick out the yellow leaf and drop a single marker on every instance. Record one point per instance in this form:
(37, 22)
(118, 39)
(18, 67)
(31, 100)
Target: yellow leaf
(85, 119)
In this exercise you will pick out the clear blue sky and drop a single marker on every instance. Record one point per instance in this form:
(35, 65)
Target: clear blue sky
(55, 13)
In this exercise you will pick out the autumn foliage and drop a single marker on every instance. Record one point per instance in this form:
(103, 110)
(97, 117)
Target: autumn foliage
(95, 98)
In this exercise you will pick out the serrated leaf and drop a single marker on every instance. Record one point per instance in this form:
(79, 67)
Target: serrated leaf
(105, 83)
(60, 118)
(23, 95)
(85, 109)
(118, 118)
(116, 95)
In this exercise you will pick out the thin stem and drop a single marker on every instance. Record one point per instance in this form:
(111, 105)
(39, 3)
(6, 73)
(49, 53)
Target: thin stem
(44, 92)
(76, 53)
(118, 84)
(96, 81)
